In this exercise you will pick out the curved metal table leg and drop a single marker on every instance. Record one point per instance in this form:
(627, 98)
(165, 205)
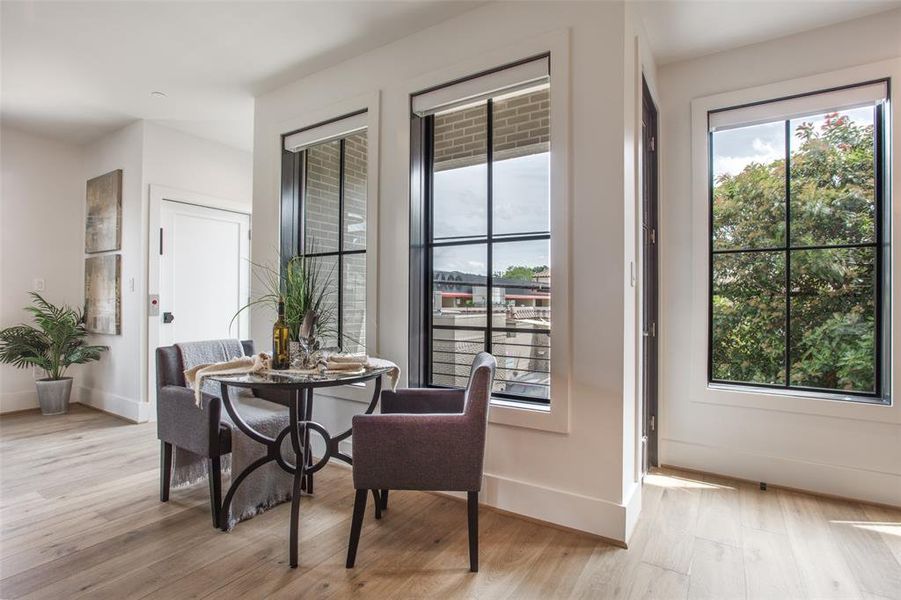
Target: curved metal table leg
(300, 461)
(301, 422)
(254, 435)
(307, 449)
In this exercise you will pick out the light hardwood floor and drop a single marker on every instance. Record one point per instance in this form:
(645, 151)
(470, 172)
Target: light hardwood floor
(80, 517)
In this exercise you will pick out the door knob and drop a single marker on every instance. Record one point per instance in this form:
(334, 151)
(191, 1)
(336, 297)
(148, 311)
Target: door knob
(168, 317)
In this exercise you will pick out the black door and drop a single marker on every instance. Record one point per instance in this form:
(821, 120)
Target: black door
(649, 278)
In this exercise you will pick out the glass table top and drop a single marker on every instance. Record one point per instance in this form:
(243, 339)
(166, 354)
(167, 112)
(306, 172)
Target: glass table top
(299, 378)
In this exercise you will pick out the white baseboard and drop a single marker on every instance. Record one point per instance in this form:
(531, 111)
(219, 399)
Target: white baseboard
(557, 507)
(127, 408)
(574, 511)
(14, 401)
(821, 478)
(632, 506)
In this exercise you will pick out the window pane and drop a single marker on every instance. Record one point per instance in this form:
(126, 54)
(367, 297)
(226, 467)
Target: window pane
(459, 286)
(325, 270)
(321, 197)
(452, 353)
(749, 187)
(833, 329)
(523, 363)
(833, 179)
(355, 172)
(748, 333)
(353, 309)
(460, 174)
(521, 170)
(522, 283)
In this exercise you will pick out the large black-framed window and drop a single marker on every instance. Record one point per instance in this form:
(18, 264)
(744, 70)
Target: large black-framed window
(323, 219)
(480, 260)
(799, 260)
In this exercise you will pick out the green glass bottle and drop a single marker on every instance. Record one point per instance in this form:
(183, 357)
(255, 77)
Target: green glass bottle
(280, 339)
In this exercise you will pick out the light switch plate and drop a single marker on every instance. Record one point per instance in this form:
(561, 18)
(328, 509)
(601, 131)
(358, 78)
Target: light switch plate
(153, 305)
(37, 285)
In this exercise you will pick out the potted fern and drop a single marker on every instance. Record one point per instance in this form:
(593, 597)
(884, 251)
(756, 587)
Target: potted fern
(57, 342)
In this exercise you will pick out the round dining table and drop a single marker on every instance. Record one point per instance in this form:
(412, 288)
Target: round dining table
(294, 390)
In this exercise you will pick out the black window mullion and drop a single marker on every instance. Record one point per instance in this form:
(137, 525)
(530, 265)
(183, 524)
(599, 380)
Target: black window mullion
(429, 158)
(302, 204)
(788, 223)
(340, 315)
(881, 354)
(489, 142)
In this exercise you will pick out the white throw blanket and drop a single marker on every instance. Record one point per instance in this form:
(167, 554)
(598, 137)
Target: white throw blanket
(238, 366)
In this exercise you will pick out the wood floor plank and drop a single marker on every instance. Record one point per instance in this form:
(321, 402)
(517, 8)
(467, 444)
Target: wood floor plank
(717, 572)
(673, 540)
(870, 559)
(823, 570)
(655, 583)
(771, 571)
(719, 511)
(760, 509)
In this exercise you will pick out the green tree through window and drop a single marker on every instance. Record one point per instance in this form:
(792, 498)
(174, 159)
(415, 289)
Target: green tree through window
(795, 253)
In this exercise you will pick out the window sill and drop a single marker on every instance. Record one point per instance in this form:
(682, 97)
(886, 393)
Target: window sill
(803, 402)
(546, 417)
(502, 411)
(793, 393)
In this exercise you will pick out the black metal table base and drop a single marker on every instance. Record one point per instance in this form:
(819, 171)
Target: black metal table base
(300, 417)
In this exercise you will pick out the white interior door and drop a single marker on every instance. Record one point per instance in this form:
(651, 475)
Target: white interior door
(204, 273)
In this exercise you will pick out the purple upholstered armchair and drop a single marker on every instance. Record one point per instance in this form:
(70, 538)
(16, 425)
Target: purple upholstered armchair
(425, 439)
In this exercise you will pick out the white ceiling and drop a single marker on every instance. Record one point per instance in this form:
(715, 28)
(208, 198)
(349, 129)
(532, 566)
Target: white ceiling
(684, 29)
(75, 71)
(78, 70)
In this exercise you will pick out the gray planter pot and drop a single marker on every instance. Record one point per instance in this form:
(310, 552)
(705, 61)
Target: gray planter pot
(53, 395)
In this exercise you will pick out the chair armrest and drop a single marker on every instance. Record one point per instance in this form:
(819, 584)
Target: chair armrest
(422, 401)
(417, 452)
(181, 422)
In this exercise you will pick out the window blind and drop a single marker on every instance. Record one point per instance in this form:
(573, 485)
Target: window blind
(480, 87)
(868, 94)
(326, 132)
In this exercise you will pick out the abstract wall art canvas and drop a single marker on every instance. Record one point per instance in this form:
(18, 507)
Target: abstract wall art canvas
(102, 297)
(103, 224)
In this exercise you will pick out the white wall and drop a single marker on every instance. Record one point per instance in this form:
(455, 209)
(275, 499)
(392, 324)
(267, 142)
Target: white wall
(42, 196)
(830, 447)
(576, 477)
(114, 384)
(150, 154)
(178, 160)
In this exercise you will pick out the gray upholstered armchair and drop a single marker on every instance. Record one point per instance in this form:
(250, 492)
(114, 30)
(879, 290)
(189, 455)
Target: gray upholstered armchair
(425, 439)
(205, 432)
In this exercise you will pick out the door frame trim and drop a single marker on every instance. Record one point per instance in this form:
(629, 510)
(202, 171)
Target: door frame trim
(150, 332)
(653, 448)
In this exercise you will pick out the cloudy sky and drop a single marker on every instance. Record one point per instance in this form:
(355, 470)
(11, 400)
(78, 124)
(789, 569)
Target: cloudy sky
(734, 149)
(521, 192)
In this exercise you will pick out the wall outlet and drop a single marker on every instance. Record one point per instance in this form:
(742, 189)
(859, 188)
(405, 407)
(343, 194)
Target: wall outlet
(37, 285)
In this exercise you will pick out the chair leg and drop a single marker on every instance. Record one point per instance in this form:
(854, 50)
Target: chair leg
(377, 500)
(356, 526)
(384, 499)
(215, 478)
(165, 470)
(472, 509)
